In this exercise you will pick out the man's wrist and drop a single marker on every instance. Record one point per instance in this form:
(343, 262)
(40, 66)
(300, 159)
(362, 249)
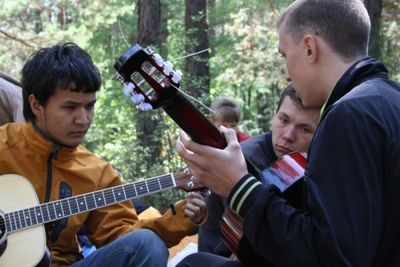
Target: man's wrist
(241, 192)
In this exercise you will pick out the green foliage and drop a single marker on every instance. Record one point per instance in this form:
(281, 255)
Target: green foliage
(244, 64)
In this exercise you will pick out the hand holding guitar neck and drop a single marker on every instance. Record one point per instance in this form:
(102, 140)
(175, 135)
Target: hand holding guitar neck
(152, 83)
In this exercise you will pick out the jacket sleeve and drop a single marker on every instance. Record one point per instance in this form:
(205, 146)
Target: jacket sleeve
(107, 224)
(172, 226)
(209, 234)
(343, 221)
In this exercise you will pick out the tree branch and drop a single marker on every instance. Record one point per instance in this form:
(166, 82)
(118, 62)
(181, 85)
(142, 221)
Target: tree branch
(15, 38)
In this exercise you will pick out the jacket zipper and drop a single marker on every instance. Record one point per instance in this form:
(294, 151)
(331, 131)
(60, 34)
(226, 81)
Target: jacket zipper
(52, 156)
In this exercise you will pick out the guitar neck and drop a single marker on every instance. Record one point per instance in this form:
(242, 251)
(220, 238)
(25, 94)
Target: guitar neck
(193, 122)
(66, 207)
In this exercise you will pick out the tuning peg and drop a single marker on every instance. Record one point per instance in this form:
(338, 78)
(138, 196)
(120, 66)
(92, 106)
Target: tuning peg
(158, 59)
(137, 98)
(168, 68)
(128, 88)
(145, 106)
(177, 76)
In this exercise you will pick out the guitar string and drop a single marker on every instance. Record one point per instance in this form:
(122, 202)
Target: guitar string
(153, 185)
(187, 95)
(193, 98)
(192, 54)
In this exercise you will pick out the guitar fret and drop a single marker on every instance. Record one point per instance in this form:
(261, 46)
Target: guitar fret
(153, 185)
(90, 202)
(65, 207)
(58, 210)
(159, 183)
(119, 193)
(69, 206)
(130, 191)
(81, 203)
(99, 199)
(17, 222)
(27, 217)
(109, 196)
(22, 218)
(167, 183)
(13, 222)
(45, 213)
(8, 221)
(141, 188)
(33, 216)
(52, 211)
(38, 214)
(74, 205)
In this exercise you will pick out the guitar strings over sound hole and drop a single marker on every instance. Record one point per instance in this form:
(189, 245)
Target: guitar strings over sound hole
(2, 227)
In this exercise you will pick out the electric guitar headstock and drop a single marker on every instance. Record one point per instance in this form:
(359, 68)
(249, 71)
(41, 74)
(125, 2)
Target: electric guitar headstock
(148, 80)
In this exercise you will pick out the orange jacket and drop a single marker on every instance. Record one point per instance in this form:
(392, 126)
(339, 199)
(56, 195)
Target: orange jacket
(24, 152)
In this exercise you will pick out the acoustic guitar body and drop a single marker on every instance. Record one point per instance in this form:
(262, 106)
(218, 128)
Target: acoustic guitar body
(25, 247)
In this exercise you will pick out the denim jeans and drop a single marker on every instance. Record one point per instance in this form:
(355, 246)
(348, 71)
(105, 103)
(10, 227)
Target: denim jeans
(140, 248)
(201, 259)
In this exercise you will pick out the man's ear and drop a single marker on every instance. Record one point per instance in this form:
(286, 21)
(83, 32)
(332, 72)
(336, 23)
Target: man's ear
(310, 47)
(35, 105)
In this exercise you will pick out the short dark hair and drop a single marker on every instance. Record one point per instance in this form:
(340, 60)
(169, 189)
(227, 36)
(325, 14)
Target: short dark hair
(57, 67)
(290, 92)
(226, 109)
(344, 24)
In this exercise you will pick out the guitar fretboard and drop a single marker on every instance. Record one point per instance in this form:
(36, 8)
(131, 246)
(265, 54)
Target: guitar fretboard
(55, 210)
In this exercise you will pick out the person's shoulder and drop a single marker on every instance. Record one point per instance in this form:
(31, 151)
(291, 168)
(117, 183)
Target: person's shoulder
(256, 140)
(9, 88)
(11, 134)
(87, 157)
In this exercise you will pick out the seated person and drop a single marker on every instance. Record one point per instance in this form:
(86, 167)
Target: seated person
(292, 129)
(10, 100)
(59, 94)
(227, 113)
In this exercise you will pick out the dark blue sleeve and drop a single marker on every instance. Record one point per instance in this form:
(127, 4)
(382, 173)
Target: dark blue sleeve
(209, 235)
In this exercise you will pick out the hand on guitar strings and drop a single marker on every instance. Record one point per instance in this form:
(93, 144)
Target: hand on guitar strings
(217, 169)
(195, 208)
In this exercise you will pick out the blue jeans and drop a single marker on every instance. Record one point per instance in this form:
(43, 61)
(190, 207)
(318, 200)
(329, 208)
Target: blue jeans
(201, 259)
(140, 248)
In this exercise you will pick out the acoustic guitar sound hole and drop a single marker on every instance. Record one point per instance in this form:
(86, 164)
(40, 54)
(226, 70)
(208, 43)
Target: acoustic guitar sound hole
(3, 240)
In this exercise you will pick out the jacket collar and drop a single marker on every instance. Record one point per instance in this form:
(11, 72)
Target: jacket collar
(360, 71)
(44, 146)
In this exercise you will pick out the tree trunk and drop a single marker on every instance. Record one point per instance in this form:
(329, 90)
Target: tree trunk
(197, 71)
(148, 123)
(374, 8)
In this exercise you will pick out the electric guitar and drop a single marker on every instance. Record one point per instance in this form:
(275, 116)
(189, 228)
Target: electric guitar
(22, 218)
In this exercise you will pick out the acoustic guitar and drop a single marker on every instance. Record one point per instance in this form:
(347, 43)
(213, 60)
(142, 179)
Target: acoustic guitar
(287, 174)
(22, 218)
(151, 83)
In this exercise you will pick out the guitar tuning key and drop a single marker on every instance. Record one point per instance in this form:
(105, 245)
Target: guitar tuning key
(168, 68)
(177, 76)
(128, 88)
(158, 59)
(137, 98)
(145, 106)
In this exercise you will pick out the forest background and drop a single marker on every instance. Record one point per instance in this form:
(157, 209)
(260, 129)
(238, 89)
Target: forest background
(240, 61)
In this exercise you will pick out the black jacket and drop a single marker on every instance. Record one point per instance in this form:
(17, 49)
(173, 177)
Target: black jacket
(353, 183)
(257, 150)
